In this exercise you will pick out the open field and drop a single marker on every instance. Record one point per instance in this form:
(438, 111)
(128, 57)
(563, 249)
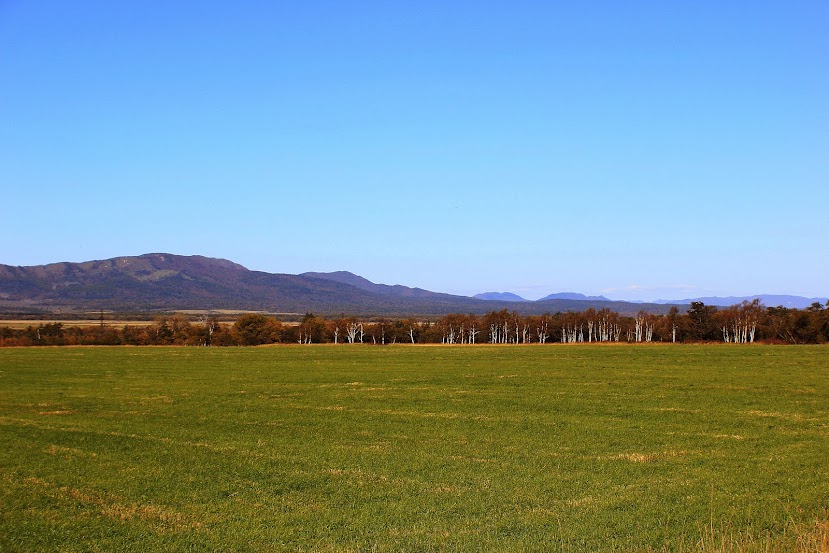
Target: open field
(18, 324)
(321, 448)
(24, 323)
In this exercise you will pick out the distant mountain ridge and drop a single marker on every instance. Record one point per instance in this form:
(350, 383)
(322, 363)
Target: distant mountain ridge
(509, 296)
(357, 281)
(573, 296)
(769, 300)
(499, 296)
(168, 282)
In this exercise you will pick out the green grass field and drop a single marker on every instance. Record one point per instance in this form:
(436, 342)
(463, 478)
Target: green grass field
(340, 448)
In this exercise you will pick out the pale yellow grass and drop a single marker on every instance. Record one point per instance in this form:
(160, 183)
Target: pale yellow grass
(812, 537)
(158, 517)
(797, 538)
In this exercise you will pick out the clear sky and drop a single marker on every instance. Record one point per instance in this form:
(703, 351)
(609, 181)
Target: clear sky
(637, 149)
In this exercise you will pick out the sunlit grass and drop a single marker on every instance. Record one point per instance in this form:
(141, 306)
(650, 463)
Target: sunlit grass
(573, 448)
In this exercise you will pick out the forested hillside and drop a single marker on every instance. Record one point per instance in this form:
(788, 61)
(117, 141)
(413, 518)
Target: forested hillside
(165, 282)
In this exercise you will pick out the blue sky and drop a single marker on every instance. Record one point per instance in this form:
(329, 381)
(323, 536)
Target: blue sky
(641, 150)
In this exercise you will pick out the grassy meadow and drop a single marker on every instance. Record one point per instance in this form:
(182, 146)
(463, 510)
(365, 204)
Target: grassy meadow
(415, 448)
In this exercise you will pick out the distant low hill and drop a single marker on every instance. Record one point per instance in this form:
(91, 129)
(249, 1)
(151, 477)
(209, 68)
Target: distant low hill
(769, 300)
(499, 296)
(573, 296)
(509, 296)
(167, 282)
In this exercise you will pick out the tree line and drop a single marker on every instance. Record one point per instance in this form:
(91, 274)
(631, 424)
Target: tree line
(745, 323)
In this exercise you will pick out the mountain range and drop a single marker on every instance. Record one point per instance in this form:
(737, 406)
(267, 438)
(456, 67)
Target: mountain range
(161, 282)
(167, 282)
(770, 300)
(499, 296)
(509, 296)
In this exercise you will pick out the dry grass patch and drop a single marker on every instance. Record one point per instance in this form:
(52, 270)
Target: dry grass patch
(68, 451)
(729, 437)
(675, 410)
(649, 457)
(158, 517)
(580, 501)
(155, 399)
(796, 538)
(359, 477)
(792, 417)
(380, 447)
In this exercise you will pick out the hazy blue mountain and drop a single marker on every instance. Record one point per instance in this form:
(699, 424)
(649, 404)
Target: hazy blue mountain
(769, 300)
(385, 289)
(574, 296)
(499, 296)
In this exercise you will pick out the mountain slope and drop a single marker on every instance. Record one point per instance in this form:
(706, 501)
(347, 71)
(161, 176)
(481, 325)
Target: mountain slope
(160, 281)
(166, 282)
(357, 281)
